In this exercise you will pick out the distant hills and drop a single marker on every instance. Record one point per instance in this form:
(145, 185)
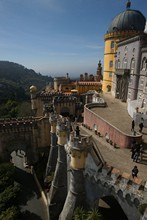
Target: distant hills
(21, 76)
(15, 81)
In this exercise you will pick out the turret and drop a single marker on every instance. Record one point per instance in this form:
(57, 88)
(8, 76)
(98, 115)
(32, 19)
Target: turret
(52, 159)
(58, 191)
(98, 76)
(78, 148)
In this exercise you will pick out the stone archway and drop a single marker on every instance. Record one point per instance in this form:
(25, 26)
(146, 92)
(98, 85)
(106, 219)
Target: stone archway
(65, 112)
(109, 206)
(16, 143)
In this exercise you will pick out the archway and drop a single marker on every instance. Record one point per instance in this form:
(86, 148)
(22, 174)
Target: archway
(108, 206)
(16, 145)
(65, 112)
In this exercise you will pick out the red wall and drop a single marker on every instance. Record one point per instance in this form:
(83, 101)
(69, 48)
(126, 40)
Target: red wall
(116, 136)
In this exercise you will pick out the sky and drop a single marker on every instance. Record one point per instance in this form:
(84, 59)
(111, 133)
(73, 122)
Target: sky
(55, 37)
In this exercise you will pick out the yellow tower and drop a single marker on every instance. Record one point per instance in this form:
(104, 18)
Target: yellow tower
(126, 24)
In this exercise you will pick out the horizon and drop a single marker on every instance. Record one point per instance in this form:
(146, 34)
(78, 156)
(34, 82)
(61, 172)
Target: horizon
(54, 38)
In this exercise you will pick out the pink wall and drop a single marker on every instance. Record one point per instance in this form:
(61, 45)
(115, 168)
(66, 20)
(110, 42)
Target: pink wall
(116, 136)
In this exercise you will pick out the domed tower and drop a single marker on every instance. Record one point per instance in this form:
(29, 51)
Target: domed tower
(126, 24)
(58, 190)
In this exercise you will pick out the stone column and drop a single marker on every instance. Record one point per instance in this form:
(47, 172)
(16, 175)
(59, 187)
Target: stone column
(52, 159)
(78, 148)
(58, 190)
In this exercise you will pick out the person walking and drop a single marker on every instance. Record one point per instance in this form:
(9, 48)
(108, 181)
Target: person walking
(135, 171)
(141, 125)
(133, 125)
(77, 130)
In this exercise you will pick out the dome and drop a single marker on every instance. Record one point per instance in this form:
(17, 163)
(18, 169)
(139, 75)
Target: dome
(128, 20)
(33, 89)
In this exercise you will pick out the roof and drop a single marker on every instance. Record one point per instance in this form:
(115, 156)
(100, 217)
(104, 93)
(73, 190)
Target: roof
(128, 20)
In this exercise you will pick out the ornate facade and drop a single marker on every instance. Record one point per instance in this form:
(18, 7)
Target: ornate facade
(125, 25)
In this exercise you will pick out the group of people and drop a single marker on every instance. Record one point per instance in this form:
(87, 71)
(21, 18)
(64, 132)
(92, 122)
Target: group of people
(136, 150)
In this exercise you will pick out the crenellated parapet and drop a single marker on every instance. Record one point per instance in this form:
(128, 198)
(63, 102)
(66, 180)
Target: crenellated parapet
(62, 130)
(119, 184)
(8, 125)
(78, 148)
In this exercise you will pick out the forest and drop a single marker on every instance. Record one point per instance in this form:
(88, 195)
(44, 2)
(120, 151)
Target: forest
(15, 81)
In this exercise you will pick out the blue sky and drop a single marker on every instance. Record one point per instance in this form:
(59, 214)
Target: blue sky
(54, 37)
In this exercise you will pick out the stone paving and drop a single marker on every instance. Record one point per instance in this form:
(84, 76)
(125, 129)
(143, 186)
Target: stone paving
(116, 114)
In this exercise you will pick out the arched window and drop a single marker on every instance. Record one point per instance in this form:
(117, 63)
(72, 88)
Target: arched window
(144, 64)
(125, 62)
(111, 64)
(112, 44)
(132, 66)
(126, 50)
(133, 50)
(118, 64)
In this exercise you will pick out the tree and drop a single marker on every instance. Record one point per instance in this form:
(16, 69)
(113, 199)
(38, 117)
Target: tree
(94, 215)
(7, 171)
(8, 197)
(80, 214)
(11, 213)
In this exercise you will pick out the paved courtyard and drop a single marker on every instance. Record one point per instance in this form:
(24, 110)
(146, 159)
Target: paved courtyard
(116, 114)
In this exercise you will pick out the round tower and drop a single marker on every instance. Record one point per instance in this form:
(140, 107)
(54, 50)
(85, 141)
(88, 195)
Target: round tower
(78, 148)
(58, 190)
(52, 159)
(126, 24)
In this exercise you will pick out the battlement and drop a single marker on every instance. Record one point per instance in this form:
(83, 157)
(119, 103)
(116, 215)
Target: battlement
(65, 98)
(62, 124)
(15, 124)
(119, 182)
(121, 34)
(79, 143)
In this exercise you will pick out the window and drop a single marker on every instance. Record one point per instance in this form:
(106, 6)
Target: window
(144, 64)
(132, 67)
(118, 64)
(126, 50)
(112, 44)
(111, 64)
(125, 62)
(110, 75)
(141, 81)
(133, 50)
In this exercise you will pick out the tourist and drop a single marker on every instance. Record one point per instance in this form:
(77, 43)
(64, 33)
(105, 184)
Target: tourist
(134, 171)
(133, 125)
(77, 131)
(141, 125)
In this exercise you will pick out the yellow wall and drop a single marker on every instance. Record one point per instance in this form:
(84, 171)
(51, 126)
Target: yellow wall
(85, 88)
(78, 159)
(109, 54)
